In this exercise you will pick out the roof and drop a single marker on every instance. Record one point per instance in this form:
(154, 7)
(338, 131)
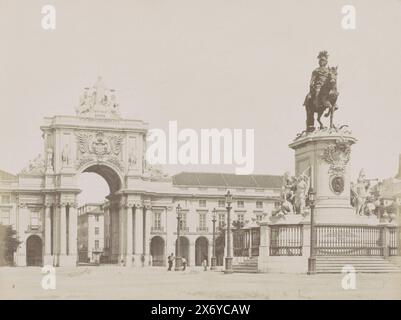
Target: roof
(200, 179)
(7, 176)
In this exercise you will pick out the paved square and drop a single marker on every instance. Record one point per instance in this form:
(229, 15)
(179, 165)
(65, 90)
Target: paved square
(112, 282)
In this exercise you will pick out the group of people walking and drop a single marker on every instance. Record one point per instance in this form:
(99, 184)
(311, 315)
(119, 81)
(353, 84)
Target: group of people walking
(171, 259)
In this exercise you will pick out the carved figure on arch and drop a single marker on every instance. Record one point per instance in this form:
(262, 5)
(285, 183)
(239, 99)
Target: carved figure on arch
(49, 164)
(132, 157)
(65, 155)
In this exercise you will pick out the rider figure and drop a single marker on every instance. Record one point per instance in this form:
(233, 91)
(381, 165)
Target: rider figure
(319, 77)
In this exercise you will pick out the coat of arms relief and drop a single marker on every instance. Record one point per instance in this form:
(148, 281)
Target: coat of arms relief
(338, 156)
(99, 146)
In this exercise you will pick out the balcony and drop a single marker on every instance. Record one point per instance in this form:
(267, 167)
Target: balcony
(34, 228)
(156, 229)
(97, 250)
(202, 229)
(184, 229)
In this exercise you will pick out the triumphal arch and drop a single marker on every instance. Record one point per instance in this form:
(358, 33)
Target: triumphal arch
(96, 140)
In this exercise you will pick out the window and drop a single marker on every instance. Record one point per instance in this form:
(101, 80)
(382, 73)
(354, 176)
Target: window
(35, 218)
(240, 218)
(157, 220)
(5, 217)
(5, 199)
(259, 217)
(97, 230)
(222, 220)
(97, 218)
(183, 220)
(202, 203)
(240, 204)
(96, 244)
(222, 203)
(202, 220)
(259, 204)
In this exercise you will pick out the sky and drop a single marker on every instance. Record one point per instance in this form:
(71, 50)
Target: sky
(242, 64)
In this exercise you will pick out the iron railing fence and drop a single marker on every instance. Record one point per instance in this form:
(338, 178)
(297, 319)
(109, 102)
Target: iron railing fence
(340, 240)
(286, 240)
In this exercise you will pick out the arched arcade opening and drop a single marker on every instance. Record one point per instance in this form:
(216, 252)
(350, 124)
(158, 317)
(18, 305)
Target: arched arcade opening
(34, 250)
(157, 251)
(201, 250)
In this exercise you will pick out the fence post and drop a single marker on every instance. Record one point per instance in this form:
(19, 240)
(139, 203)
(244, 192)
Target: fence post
(398, 242)
(386, 245)
(264, 246)
(306, 239)
(250, 243)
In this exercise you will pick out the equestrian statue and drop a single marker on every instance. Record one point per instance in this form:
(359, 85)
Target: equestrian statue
(323, 94)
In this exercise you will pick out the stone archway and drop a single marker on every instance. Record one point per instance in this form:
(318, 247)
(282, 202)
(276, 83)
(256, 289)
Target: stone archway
(157, 248)
(112, 251)
(107, 172)
(96, 140)
(201, 250)
(34, 255)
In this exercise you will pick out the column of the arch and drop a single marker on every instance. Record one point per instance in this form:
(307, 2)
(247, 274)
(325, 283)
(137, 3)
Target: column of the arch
(147, 214)
(72, 235)
(48, 259)
(56, 235)
(122, 230)
(138, 235)
(128, 254)
(63, 235)
(115, 240)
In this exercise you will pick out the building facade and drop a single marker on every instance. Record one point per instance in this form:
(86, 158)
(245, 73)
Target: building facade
(197, 194)
(90, 233)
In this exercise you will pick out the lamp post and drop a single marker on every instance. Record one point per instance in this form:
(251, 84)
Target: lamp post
(312, 257)
(178, 261)
(229, 259)
(213, 260)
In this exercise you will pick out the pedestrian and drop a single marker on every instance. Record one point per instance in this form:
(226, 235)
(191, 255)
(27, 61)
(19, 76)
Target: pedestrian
(204, 264)
(184, 263)
(170, 260)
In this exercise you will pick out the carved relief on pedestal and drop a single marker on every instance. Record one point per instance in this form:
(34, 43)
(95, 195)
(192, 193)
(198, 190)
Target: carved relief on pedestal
(337, 155)
(98, 146)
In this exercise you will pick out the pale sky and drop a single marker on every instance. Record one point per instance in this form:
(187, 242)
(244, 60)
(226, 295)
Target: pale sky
(207, 64)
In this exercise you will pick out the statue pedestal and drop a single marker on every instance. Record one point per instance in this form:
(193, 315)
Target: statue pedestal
(324, 155)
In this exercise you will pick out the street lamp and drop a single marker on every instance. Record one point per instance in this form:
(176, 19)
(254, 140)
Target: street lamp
(213, 260)
(312, 257)
(178, 260)
(229, 259)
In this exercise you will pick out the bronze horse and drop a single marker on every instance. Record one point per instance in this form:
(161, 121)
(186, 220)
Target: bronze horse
(326, 101)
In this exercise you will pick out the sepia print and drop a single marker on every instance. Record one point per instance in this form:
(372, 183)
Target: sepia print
(223, 150)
